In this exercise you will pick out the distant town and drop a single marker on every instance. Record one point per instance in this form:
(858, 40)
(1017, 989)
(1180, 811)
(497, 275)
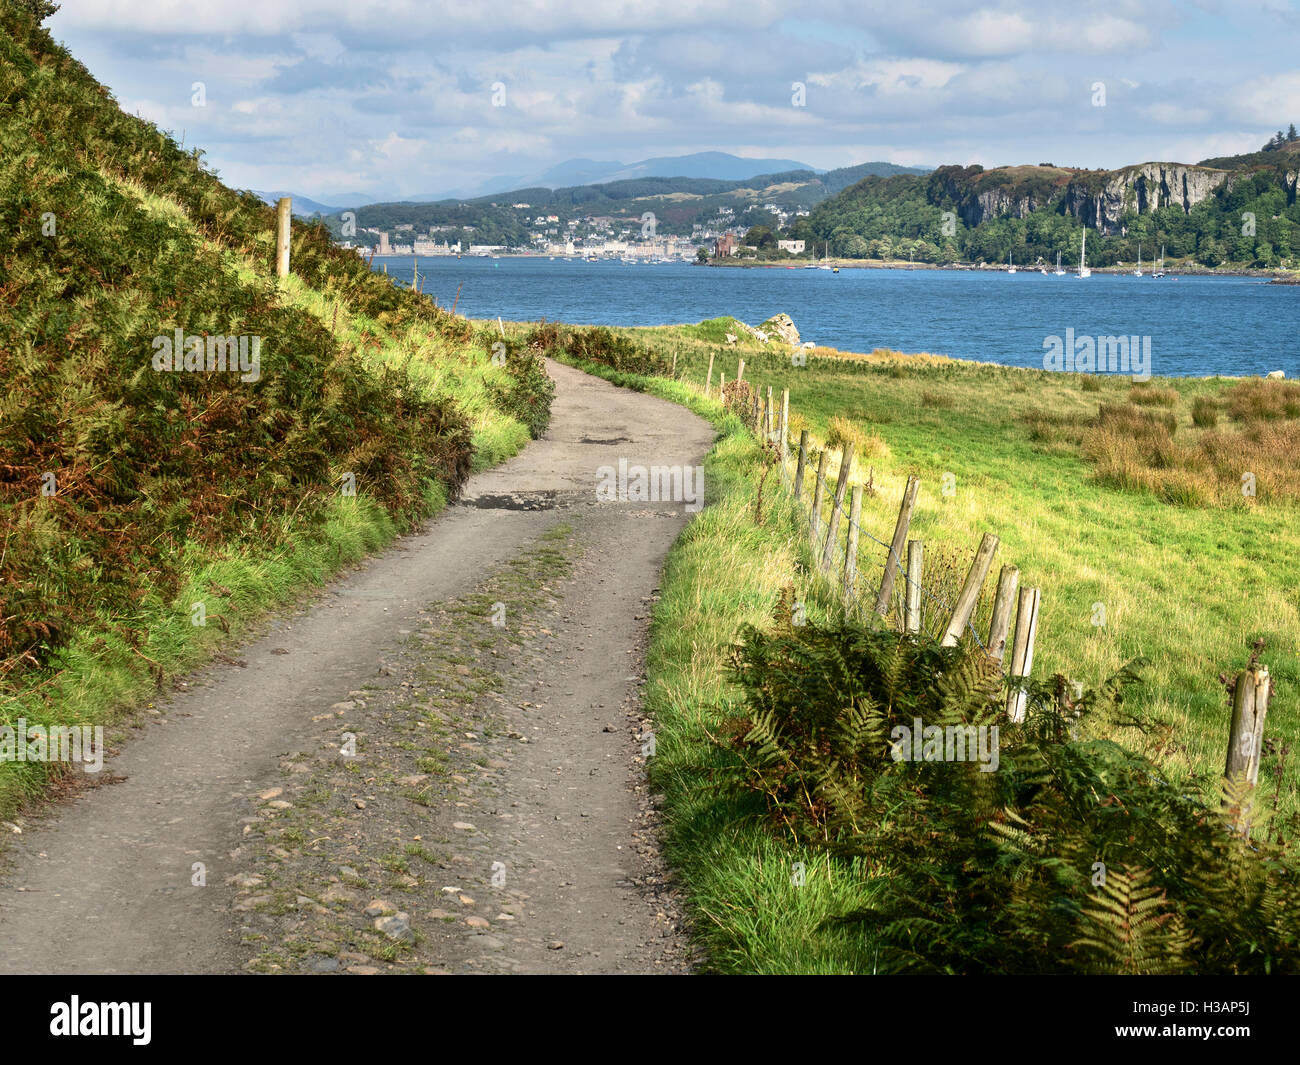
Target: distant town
(594, 236)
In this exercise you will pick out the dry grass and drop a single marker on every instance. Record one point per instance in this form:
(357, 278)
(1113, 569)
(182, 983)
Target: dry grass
(1153, 396)
(1205, 413)
(841, 432)
(1264, 400)
(1136, 449)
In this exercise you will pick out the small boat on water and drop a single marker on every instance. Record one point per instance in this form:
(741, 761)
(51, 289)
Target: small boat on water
(1138, 271)
(1083, 248)
(1011, 267)
(1059, 271)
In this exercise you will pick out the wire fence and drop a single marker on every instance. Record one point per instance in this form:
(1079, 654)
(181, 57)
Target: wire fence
(770, 425)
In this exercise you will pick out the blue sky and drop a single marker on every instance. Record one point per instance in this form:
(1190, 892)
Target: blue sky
(397, 97)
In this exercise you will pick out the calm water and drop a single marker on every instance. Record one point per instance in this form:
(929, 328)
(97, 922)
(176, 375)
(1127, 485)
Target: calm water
(1197, 325)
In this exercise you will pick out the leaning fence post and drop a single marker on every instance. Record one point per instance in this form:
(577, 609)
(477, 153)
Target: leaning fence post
(912, 617)
(819, 492)
(970, 592)
(1022, 649)
(851, 550)
(837, 507)
(895, 558)
(283, 226)
(708, 381)
(740, 371)
(803, 462)
(1008, 580)
(674, 370)
(1250, 697)
(769, 419)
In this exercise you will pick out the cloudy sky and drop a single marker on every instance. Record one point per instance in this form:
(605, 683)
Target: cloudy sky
(401, 97)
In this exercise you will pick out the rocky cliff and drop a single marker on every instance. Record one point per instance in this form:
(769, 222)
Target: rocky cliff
(1098, 198)
(1101, 198)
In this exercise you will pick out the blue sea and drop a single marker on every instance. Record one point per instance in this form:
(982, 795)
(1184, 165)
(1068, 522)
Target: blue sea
(1197, 326)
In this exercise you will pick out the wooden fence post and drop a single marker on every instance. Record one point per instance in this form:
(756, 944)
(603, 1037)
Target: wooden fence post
(1008, 580)
(1022, 649)
(837, 507)
(851, 551)
(769, 418)
(1250, 697)
(283, 227)
(970, 592)
(803, 462)
(708, 381)
(819, 492)
(912, 617)
(785, 424)
(674, 371)
(740, 371)
(895, 559)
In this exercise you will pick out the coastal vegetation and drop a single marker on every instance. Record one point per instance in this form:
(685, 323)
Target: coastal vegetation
(129, 495)
(1099, 844)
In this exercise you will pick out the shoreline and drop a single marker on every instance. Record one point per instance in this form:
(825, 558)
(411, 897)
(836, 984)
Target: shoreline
(1279, 277)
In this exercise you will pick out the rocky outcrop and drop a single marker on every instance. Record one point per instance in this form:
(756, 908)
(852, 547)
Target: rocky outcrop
(1098, 198)
(1102, 198)
(780, 327)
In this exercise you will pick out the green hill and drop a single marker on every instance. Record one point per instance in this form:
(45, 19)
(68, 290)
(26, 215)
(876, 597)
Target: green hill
(678, 203)
(1239, 210)
(130, 491)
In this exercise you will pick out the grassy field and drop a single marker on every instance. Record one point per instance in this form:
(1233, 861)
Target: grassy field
(1185, 571)
(1187, 588)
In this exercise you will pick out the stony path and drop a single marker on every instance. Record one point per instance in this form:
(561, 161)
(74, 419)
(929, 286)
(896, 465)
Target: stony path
(494, 815)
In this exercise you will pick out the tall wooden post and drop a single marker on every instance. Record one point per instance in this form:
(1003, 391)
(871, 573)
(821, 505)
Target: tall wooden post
(803, 462)
(740, 371)
(895, 559)
(1008, 580)
(1022, 649)
(785, 424)
(708, 381)
(851, 550)
(283, 227)
(912, 616)
(837, 507)
(819, 493)
(1250, 698)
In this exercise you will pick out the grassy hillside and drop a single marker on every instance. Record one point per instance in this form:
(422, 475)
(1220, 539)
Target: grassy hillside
(130, 492)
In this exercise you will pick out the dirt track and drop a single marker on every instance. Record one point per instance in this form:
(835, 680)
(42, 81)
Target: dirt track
(534, 724)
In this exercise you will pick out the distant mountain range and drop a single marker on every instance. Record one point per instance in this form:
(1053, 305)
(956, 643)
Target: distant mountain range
(572, 173)
(678, 202)
(305, 207)
(719, 166)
